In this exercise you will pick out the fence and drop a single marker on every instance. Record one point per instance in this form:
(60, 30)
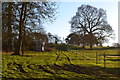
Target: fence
(104, 59)
(97, 57)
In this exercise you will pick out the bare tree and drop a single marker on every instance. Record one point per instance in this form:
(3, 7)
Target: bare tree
(93, 22)
(7, 13)
(26, 16)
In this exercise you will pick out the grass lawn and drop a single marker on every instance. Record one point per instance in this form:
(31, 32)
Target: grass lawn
(61, 65)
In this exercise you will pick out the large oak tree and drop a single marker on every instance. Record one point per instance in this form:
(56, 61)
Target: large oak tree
(92, 22)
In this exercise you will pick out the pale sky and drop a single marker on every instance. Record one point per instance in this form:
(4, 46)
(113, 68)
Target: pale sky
(67, 10)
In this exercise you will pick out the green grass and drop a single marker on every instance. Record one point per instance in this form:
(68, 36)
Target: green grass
(68, 66)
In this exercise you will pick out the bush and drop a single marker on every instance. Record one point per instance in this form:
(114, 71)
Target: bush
(49, 49)
(62, 47)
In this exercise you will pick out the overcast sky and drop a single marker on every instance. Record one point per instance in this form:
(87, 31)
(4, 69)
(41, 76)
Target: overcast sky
(67, 10)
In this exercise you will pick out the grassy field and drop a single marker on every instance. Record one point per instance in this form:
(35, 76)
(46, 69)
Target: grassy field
(61, 65)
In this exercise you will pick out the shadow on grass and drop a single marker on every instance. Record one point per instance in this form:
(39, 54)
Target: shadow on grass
(91, 70)
(113, 59)
(103, 48)
(96, 73)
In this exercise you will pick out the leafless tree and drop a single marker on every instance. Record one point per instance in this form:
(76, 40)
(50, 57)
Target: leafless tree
(26, 16)
(93, 22)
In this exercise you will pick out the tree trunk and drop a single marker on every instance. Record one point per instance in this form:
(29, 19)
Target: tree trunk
(91, 46)
(91, 40)
(23, 41)
(18, 50)
(83, 46)
(10, 27)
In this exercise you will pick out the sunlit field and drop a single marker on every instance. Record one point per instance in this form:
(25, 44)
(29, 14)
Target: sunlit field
(62, 65)
(49, 40)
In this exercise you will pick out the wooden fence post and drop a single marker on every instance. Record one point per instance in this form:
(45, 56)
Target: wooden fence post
(104, 60)
(96, 58)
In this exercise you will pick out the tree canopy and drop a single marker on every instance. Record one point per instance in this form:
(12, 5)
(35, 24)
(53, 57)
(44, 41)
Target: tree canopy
(21, 18)
(92, 22)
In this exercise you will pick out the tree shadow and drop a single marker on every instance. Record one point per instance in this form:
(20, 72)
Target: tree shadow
(97, 73)
(113, 59)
